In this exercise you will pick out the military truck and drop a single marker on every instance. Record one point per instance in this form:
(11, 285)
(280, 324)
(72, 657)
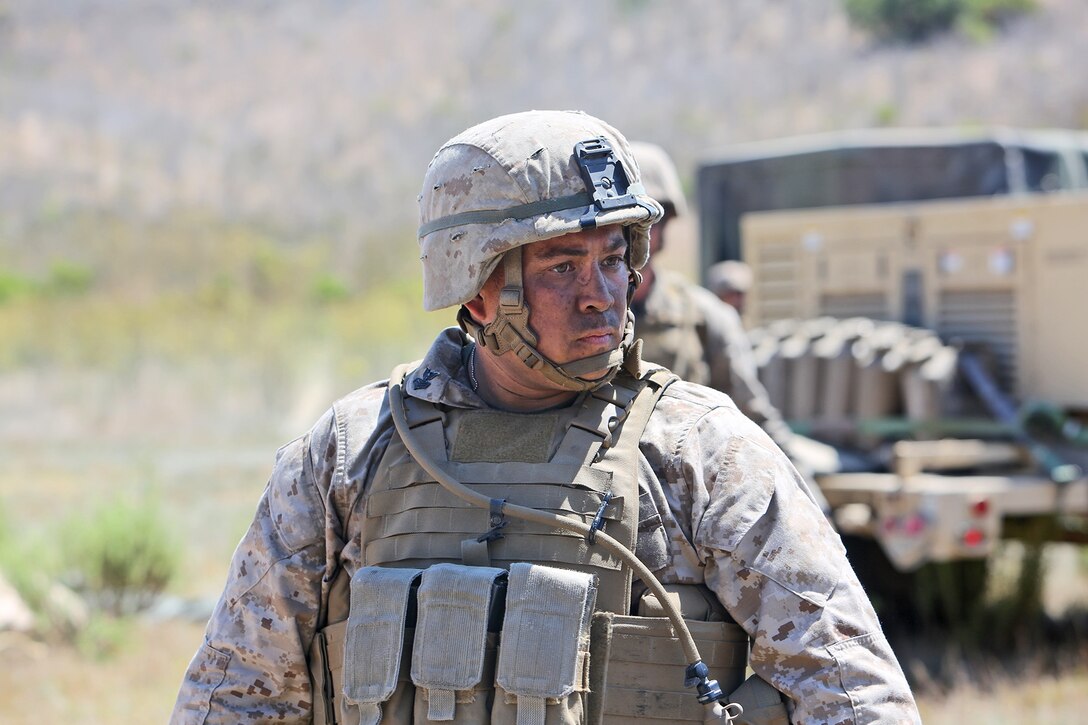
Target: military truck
(919, 303)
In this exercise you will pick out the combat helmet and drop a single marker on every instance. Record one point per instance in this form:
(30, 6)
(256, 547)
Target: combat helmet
(729, 276)
(659, 177)
(512, 181)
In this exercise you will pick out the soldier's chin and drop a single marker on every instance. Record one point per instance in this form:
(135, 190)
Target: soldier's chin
(596, 375)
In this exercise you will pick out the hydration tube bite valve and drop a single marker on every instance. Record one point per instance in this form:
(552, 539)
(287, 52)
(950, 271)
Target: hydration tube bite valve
(697, 675)
(709, 693)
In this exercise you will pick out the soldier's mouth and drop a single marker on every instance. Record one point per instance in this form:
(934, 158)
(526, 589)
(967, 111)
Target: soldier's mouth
(598, 337)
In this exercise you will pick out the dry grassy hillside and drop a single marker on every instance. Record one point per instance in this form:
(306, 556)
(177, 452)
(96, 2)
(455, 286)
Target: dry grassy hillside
(325, 114)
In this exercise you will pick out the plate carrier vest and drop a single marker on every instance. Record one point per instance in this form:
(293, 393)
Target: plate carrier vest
(580, 461)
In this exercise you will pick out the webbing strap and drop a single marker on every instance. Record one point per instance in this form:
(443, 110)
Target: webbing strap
(490, 473)
(619, 455)
(429, 519)
(543, 496)
(585, 433)
(522, 547)
(521, 211)
(589, 427)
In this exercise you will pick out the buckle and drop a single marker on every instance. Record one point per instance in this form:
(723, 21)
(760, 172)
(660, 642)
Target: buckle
(496, 520)
(510, 297)
(598, 519)
(603, 173)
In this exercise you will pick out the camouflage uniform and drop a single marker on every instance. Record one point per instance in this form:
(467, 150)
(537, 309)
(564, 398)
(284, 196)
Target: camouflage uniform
(730, 510)
(733, 514)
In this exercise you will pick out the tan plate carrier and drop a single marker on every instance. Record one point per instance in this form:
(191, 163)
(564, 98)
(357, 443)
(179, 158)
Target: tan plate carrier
(578, 462)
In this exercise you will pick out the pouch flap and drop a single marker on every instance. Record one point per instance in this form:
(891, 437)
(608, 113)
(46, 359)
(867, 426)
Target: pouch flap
(451, 632)
(545, 633)
(380, 598)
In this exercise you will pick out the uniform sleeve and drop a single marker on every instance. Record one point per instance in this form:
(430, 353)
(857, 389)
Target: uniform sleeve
(781, 571)
(733, 367)
(251, 666)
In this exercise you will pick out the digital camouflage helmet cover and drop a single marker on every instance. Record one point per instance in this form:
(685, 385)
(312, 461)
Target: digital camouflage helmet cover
(515, 180)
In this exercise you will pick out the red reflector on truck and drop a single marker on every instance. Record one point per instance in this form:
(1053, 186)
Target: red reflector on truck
(973, 537)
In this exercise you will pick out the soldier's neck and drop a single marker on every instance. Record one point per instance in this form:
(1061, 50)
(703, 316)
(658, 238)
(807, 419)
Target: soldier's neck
(504, 382)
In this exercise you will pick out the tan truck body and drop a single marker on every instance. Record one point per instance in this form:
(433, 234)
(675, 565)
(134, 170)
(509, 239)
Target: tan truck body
(1006, 276)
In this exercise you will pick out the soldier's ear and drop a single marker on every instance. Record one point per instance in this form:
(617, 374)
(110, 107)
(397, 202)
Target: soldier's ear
(479, 309)
(485, 305)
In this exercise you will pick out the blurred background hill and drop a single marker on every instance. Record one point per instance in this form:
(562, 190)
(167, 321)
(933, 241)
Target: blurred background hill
(222, 153)
(207, 216)
(325, 114)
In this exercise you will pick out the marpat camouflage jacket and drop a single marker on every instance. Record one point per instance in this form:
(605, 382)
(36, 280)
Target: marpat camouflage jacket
(734, 513)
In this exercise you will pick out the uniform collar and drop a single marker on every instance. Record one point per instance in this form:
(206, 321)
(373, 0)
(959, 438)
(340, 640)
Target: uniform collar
(442, 375)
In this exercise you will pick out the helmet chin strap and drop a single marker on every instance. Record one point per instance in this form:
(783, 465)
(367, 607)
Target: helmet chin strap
(509, 332)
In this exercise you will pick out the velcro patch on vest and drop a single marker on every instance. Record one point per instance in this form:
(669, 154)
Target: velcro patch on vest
(496, 437)
(451, 633)
(375, 636)
(545, 635)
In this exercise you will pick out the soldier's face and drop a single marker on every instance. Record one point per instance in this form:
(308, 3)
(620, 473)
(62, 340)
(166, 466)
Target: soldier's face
(576, 291)
(576, 288)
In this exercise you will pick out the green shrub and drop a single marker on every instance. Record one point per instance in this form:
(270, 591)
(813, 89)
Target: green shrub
(69, 279)
(120, 556)
(886, 114)
(909, 20)
(103, 637)
(328, 288)
(913, 21)
(28, 563)
(13, 286)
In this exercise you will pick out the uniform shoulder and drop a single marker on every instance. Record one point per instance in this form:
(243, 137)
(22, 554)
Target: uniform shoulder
(353, 416)
(686, 397)
(363, 399)
(697, 423)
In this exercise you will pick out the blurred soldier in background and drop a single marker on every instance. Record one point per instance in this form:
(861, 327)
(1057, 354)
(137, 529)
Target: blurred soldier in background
(730, 280)
(700, 338)
(457, 543)
(685, 327)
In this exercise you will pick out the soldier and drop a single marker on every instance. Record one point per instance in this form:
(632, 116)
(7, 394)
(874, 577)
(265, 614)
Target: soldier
(370, 588)
(730, 280)
(685, 327)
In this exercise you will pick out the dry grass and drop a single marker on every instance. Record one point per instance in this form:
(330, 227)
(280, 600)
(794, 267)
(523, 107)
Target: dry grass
(59, 684)
(1040, 700)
